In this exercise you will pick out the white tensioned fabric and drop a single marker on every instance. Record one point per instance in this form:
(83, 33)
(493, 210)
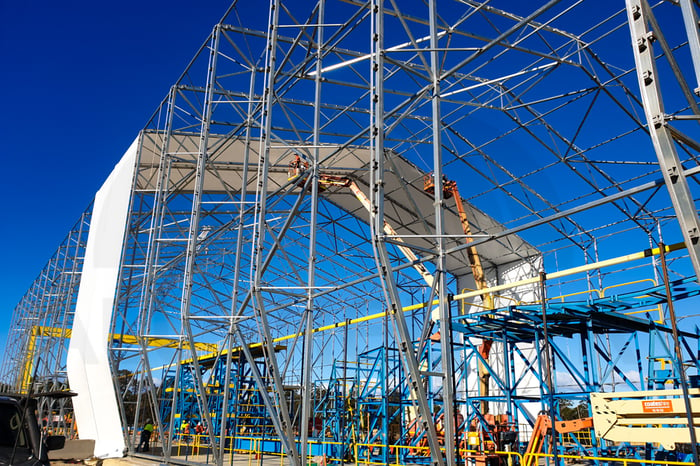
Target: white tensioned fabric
(95, 406)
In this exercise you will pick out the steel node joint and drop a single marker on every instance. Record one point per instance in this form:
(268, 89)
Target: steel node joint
(673, 173)
(636, 12)
(658, 121)
(645, 41)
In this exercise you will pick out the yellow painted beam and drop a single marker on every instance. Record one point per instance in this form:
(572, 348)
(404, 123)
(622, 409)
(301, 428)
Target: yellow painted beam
(574, 270)
(164, 342)
(57, 332)
(562, 273)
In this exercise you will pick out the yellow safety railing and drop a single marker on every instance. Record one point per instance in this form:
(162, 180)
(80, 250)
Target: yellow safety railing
(466, 303)
(577, 293)
(197, 446)
(612, 460)
(658, 306)
(601, 293)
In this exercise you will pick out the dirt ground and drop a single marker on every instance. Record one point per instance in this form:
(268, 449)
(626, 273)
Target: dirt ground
(128, 461)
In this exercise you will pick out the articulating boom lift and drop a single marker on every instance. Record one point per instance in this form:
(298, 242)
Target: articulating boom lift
(297, 167)
(449, 190)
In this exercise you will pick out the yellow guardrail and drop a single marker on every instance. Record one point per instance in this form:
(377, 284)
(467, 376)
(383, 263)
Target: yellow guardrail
(642, 311)
(465, 303)
(614, 460)
(197, 445)
(601, 293)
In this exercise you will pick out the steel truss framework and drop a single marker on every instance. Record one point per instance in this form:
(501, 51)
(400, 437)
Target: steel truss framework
(363, 410)
(536, 111)
(37, 342)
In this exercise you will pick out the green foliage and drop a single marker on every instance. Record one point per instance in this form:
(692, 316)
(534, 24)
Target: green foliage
(569, 411)
(128, 387)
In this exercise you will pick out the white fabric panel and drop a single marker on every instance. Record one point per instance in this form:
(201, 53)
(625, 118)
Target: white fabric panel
(95, 406)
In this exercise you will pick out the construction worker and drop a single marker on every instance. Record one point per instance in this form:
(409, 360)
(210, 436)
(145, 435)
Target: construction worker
(146, 433)
(185, 431)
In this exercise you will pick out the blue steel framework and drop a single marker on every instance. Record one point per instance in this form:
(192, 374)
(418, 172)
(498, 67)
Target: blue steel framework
(584, 325)
(381, 401)
(246, 415)
(363, 410)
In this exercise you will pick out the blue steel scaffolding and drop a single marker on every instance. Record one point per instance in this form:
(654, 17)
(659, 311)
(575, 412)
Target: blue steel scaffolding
(246, 417)
(365, 411)
(582, 354)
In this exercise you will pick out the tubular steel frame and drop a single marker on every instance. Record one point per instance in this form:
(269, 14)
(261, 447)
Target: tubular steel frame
(513, 102)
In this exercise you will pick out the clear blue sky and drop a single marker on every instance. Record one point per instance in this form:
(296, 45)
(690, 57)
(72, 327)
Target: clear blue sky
(78, 80)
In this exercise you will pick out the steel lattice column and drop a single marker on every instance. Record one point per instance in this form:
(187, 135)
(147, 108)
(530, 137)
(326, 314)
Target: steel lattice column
(448, 383)
(280, 417)
(377, 223)
(639, 15)
(191, 253)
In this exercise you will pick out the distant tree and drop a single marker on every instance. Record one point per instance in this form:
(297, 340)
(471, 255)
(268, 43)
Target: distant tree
(128, 390)
(568, 410)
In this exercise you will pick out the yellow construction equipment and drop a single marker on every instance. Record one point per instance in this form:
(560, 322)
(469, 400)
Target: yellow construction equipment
(653, 416)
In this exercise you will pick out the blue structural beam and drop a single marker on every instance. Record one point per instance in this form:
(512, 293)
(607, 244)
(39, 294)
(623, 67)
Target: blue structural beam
(602, 315)
(245, 415)
(366, 404)
(574, 328)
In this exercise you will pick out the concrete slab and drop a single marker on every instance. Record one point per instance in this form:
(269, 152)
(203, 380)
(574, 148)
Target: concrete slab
(74, 450)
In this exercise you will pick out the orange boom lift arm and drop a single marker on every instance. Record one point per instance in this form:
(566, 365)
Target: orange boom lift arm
(449, 190)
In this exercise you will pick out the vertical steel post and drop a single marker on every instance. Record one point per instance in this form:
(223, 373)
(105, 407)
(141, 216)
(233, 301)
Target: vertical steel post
(679, 357)
(167, 446)
(662, 139)
(242, 207)
(385, 392)
(283, 426)
(405, 342)
(446, 347)
(593, 377)
(345, 442)
(307, 360)
(193, 231)
(548, 364)
(148, 290)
